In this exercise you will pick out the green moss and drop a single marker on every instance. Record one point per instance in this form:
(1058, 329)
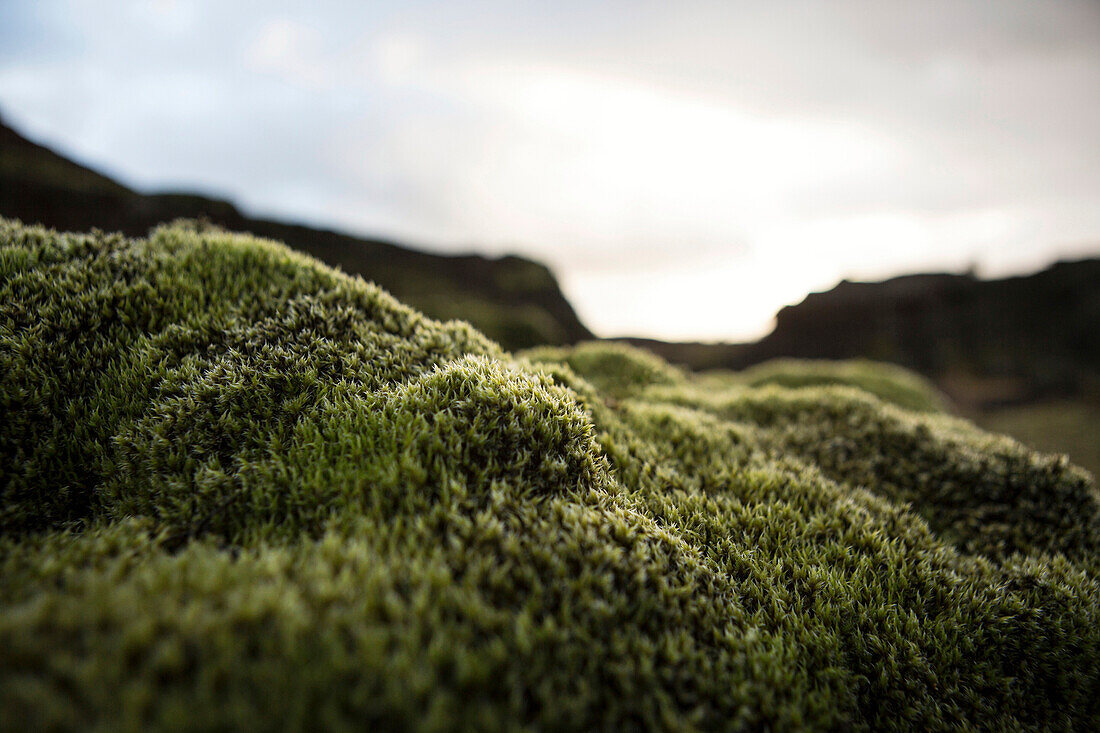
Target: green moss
(243, 490)
(887, 382)
(615, 369)
(1063, 425)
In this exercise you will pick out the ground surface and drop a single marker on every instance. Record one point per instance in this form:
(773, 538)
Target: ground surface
(240, 489)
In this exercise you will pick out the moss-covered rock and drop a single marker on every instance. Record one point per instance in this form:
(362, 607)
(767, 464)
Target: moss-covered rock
(240, 489)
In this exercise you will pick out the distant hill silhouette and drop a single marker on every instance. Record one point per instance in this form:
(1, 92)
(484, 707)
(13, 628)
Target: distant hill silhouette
(513, 300)
(985, 342)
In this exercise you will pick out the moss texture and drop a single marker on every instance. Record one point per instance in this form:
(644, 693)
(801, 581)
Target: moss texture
(887, 382)
(240, 489)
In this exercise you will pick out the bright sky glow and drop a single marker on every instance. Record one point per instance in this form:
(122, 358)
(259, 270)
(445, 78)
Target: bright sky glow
(686, 169)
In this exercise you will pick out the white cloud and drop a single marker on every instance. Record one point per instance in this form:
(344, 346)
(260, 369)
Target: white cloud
(397, 57)
(290, 50)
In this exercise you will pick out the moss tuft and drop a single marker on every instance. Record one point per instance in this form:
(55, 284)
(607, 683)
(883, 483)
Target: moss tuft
(616, 369)
(240, 489)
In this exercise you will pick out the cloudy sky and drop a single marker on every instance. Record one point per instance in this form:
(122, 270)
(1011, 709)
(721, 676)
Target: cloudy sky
(686, 168)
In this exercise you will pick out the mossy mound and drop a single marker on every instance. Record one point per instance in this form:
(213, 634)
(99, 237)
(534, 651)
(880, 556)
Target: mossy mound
(615, 369)
(887, 382)
(240, 489)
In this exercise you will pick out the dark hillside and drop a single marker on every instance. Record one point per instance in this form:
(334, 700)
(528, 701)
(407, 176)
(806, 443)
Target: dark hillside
(513, 300)
(985, 342)
(1037, 332)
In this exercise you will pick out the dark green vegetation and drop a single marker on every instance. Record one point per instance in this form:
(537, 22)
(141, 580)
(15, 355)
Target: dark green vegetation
(888, 383)
(1060, 426)
(514, 301)
(241, 489)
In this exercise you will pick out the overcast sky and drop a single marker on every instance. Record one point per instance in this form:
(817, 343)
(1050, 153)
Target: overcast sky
(685, 168)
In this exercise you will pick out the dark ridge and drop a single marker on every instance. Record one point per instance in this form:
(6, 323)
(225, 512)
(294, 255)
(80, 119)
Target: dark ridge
(513, 300)
(985, 342)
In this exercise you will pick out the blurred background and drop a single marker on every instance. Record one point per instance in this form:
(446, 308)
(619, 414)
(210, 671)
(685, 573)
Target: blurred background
(674, 172)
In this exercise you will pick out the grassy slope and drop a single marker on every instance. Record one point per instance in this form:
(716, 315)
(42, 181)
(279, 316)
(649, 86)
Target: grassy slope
(242, 489)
